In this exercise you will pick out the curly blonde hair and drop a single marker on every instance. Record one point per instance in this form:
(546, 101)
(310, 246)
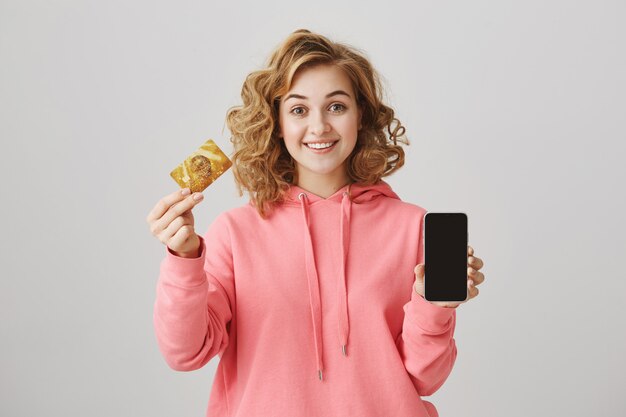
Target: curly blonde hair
(261, 163)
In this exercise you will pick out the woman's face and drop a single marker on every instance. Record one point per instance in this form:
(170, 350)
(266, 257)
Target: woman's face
(320, 107)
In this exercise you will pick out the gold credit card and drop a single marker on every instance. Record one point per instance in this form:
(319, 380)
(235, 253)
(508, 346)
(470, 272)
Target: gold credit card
(202, 167)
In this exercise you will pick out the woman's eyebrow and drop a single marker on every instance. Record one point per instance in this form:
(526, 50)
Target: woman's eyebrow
(334, 93)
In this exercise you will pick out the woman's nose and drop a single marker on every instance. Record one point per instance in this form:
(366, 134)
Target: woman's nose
(318, 124)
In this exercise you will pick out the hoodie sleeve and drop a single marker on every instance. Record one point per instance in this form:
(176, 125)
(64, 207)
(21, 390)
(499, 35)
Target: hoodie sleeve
(426, 344)
(194, 301)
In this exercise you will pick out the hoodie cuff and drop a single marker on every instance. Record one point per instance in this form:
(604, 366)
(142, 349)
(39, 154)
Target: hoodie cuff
(429, 316)
(185, 272)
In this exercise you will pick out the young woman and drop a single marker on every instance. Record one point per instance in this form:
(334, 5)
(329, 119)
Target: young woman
(312, 293)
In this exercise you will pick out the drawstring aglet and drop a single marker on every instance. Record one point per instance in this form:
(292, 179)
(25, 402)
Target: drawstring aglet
(320, 373)
(343, 349)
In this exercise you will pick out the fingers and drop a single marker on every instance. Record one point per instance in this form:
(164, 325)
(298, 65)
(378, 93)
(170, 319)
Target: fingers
(165, 203)
(472, 290)
(475, 262)
(169, 208)
(475, 276)
(182, 207)
(174, 227)
(180, 236)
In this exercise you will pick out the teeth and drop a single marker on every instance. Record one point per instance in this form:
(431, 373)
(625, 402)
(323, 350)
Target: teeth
(320, 145)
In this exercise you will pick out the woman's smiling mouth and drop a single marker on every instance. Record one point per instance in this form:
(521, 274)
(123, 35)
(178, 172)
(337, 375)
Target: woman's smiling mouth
(321, 147)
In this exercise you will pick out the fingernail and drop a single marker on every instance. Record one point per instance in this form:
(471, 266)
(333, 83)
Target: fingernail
(198, 197)
(185, 191)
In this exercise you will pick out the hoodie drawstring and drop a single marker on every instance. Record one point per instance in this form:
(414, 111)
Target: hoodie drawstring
(344, 323)
(313, 279)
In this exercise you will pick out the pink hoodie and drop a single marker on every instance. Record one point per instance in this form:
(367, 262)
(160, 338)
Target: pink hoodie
(312, 311)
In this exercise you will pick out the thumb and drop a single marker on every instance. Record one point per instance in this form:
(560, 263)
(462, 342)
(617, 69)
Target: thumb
(419, 272)
(418, 285)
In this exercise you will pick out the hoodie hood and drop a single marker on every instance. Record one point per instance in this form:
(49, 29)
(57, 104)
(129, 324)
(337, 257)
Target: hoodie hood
(354, 193)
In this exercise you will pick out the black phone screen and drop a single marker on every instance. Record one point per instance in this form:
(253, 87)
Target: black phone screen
(445, 256)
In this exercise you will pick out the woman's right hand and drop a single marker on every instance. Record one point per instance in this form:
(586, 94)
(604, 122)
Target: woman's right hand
(171, 221)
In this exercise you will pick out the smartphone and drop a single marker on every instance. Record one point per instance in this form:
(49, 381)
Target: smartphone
(445, 256)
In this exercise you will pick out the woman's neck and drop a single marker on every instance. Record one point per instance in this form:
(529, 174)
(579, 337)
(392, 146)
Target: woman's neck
(323, 189)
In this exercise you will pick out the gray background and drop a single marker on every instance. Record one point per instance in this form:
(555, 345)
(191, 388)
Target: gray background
(515, 112)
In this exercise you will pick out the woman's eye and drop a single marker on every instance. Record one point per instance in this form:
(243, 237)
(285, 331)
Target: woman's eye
(340, 108)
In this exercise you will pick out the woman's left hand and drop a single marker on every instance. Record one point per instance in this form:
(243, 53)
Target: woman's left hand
(474, 278)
